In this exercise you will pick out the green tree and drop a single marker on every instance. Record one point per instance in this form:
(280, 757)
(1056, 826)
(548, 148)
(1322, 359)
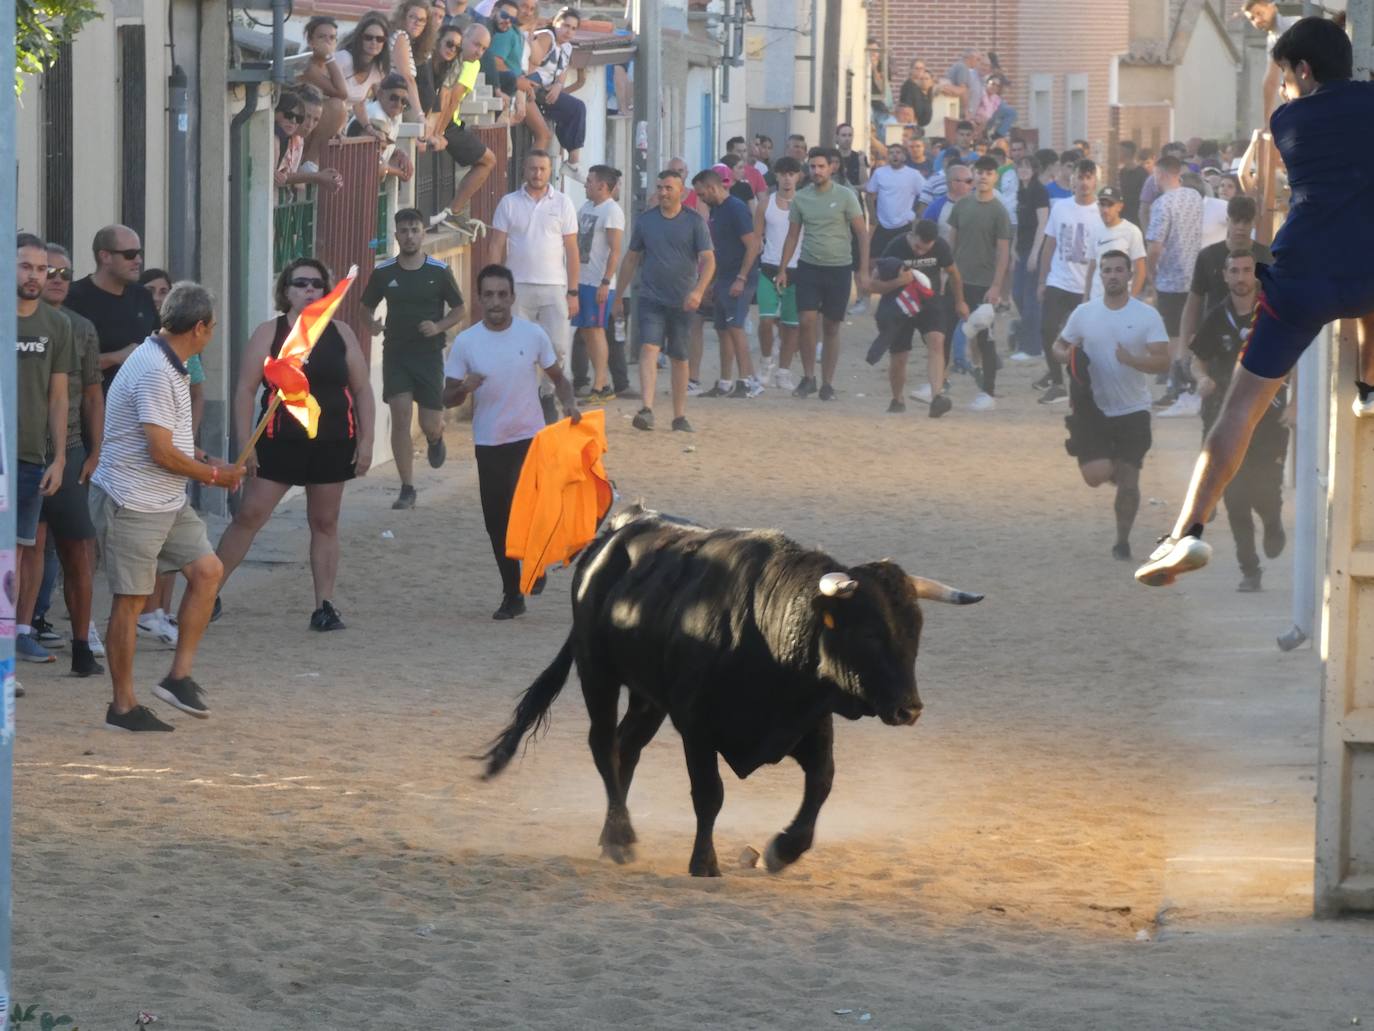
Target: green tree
(41, 27)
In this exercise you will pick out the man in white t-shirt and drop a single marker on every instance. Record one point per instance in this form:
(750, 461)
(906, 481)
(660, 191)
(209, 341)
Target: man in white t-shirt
(1117, 235)
(1064, 258)
(600, 229)
(1112, 347)
(497, 362)
(892, 191)
(534, 232)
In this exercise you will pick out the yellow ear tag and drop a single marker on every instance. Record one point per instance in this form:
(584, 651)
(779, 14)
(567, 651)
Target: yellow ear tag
(828, 620)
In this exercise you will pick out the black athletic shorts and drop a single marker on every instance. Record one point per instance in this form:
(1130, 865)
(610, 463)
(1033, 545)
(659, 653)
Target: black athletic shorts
(1094, 436)
(1170, 307)
(882, 236)
(464, 147)
(68, 512)
(417, 371)
(822, 288)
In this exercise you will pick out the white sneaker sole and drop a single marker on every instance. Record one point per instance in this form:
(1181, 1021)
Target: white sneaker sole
(157, 637)
(1363, 409)
(1183, 556)
(174, 702)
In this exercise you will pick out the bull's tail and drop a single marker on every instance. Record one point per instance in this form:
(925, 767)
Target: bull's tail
(532, 712)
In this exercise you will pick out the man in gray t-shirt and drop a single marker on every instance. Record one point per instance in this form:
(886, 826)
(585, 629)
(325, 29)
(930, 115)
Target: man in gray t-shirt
(673, 244)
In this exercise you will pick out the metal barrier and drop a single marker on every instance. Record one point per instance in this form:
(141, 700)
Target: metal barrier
(347, 228)
(293, 226)
(435, 180)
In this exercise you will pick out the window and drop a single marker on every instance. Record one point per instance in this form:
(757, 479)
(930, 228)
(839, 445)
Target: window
(1076, 106)
(1042, 106)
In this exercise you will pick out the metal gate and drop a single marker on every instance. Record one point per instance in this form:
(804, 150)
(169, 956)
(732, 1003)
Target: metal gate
(57, 149)
(133, 137)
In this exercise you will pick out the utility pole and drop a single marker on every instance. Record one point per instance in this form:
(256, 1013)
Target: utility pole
(830, 71)
(9, 423)
(649, 158)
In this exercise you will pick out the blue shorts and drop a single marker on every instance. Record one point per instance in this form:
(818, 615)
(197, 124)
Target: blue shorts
(664, 326)
(731, 312)
(589, 316)
(1289, 314)
(28, 503)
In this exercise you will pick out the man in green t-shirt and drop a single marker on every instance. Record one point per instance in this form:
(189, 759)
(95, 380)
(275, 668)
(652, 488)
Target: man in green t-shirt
(466, 148)
(980, 237)
(43, 352)
(416, 289)
(827, 213)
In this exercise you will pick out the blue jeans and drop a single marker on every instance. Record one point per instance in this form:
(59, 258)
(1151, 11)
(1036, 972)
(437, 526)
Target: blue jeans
(50, 569)
(1024, 294)
(958, 348)
(1002, 120)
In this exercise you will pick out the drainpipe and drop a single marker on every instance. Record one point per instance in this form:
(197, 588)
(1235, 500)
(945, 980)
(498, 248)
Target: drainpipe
(238, 272)
(279, 10)
(181, 219)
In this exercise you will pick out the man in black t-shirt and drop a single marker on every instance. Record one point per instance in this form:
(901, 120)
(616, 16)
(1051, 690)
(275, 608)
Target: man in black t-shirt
(122, 312)
(1131, 178)
(918, 250)
(1208, 287)
(1257, 488)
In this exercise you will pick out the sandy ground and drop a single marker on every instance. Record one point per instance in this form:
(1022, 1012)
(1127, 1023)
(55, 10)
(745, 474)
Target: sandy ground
(1103, 820)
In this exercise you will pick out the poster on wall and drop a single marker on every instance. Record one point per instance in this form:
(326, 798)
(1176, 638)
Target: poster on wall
(4, 466)
(9, 590)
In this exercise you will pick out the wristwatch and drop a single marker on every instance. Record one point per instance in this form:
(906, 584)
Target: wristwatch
(605, 282)
(572, 293)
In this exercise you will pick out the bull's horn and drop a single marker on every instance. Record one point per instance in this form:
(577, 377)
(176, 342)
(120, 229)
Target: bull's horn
(934, 590)
(838, 585)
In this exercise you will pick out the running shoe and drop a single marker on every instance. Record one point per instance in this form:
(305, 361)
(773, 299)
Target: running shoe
(573, 172)
(1363, 409)
(782, 379)
(215, 612)
(1185, 405)
(155, 626)
(46, 634)
(754, 387)
(984, 402)
(1021, 356)
(140, 717)
(1275, 540)
(859, 307)
(1121, 551)
(1043, 383)
(83, 662)
(601, 397)
(740, 389)
(896, 407)
(98, 646)
(1166, 399)
(722, 388)
(1172, 558)
(805, 388)
(436, 452)
(644, 419)
(939, 405)
(681, 425)
(1055, 395)
(582, 390)
(406, 499)
(693, 388)
(922, 393)
(826, 393)
(29, 650)
(510, 608)
(326, 618)
(185, 694)
(1251, 583)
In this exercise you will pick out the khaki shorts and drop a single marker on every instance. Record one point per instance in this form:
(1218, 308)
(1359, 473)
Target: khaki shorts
(137, 546)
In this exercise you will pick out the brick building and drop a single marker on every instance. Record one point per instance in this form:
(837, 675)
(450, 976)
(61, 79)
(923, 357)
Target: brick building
(1058, 54)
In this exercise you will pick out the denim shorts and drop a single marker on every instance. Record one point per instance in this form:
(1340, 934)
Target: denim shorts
(664, 326)
(731, 312)
(28, 504)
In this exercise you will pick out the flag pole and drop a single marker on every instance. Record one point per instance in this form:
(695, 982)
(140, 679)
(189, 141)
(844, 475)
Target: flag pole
(262, 425)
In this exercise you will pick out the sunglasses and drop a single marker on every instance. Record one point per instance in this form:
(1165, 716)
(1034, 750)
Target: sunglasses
(398, 98)
(292, 116)
(1107, 203)
(60, 273)
(450, 44)
(132, 254)
(304, 283)
(370, 38)
(504, 16)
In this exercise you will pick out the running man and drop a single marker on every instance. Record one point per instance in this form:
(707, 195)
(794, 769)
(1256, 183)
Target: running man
(737, 275)
(1320, 271)
(416, 289)
(1111, 346)
(829, 213)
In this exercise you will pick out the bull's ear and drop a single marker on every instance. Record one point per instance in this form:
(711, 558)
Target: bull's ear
(934, 590)
(837, 585)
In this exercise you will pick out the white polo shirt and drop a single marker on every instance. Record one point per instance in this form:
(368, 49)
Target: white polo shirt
(535, 228)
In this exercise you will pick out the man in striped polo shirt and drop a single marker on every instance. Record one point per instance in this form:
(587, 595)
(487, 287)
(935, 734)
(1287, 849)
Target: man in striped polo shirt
(143, 520)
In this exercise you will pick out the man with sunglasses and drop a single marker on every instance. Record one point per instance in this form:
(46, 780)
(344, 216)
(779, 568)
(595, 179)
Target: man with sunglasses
(1117, 234)
(122, 312)
(385, 115)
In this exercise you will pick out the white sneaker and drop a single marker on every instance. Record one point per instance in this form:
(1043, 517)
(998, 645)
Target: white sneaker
(572, 171)
(859, 307)
(1022, 356)
(1187, 404)
(922, 394)
(693, 388)
(93, 639)
(155, 625)
(440, 218)
(754, 386)
(982, 403)
(1173, 556)
(1363, 409)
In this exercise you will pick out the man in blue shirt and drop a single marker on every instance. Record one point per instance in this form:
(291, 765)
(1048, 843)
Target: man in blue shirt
(737, 277)
(1320, 271)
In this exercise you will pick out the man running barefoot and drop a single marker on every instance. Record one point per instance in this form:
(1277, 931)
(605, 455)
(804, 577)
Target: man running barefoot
(416, 289)
(1111, 346)
(1320, 271)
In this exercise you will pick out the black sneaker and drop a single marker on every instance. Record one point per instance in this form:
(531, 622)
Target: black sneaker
(1274, 540)
(939, 405)
(1166, 400)
(806, 387)
(1251, 583)
(218, 610)
(977, 374)
(644, 419)
(826, 393)
(45, 634)
(83, 662)
(1121, 551)
(326, 617)
(895, 407)
(682, 425)
(741, 389)
(510, 608)
(185, 694)
(717, 391)
(140, 717)
(407, 498)
(1043, 382)
(436, 453)
(539, 585)
(1054, 395)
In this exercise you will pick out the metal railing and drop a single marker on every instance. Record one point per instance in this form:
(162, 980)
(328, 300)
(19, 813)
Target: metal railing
(293, 226)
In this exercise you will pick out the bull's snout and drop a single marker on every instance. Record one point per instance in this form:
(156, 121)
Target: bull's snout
(904, 715)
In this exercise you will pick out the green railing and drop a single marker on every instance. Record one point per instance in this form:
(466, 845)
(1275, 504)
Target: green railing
(383, 242)
(293, 226)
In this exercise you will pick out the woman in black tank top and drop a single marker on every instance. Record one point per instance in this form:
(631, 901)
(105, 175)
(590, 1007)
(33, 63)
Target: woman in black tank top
(285, 456)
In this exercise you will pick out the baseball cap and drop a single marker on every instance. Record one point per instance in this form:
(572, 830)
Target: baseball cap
(727, 178)
(1110, 194)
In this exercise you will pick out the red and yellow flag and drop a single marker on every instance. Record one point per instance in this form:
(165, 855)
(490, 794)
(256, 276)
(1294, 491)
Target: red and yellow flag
(285, 371)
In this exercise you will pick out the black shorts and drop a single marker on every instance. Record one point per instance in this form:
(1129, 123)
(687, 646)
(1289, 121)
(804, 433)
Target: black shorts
(1094, 436)
(68, 512)
(300, 463)
(416, 371)
(822, 288)
(1054, 313)
(898, 331)
(463, 146)
(1171, 310)
(882, 237)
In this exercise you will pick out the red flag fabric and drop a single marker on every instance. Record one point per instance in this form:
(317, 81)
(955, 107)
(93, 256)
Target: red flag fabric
(286, 373)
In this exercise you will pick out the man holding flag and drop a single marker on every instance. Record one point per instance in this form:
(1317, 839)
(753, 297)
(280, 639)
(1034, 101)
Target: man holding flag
(143, 519)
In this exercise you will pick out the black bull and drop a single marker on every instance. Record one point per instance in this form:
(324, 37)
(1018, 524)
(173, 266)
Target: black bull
(750, 642)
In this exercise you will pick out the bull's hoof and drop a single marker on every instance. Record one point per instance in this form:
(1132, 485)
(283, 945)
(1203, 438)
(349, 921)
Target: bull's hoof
(705, 867)
(780, 854)
(619, 854)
